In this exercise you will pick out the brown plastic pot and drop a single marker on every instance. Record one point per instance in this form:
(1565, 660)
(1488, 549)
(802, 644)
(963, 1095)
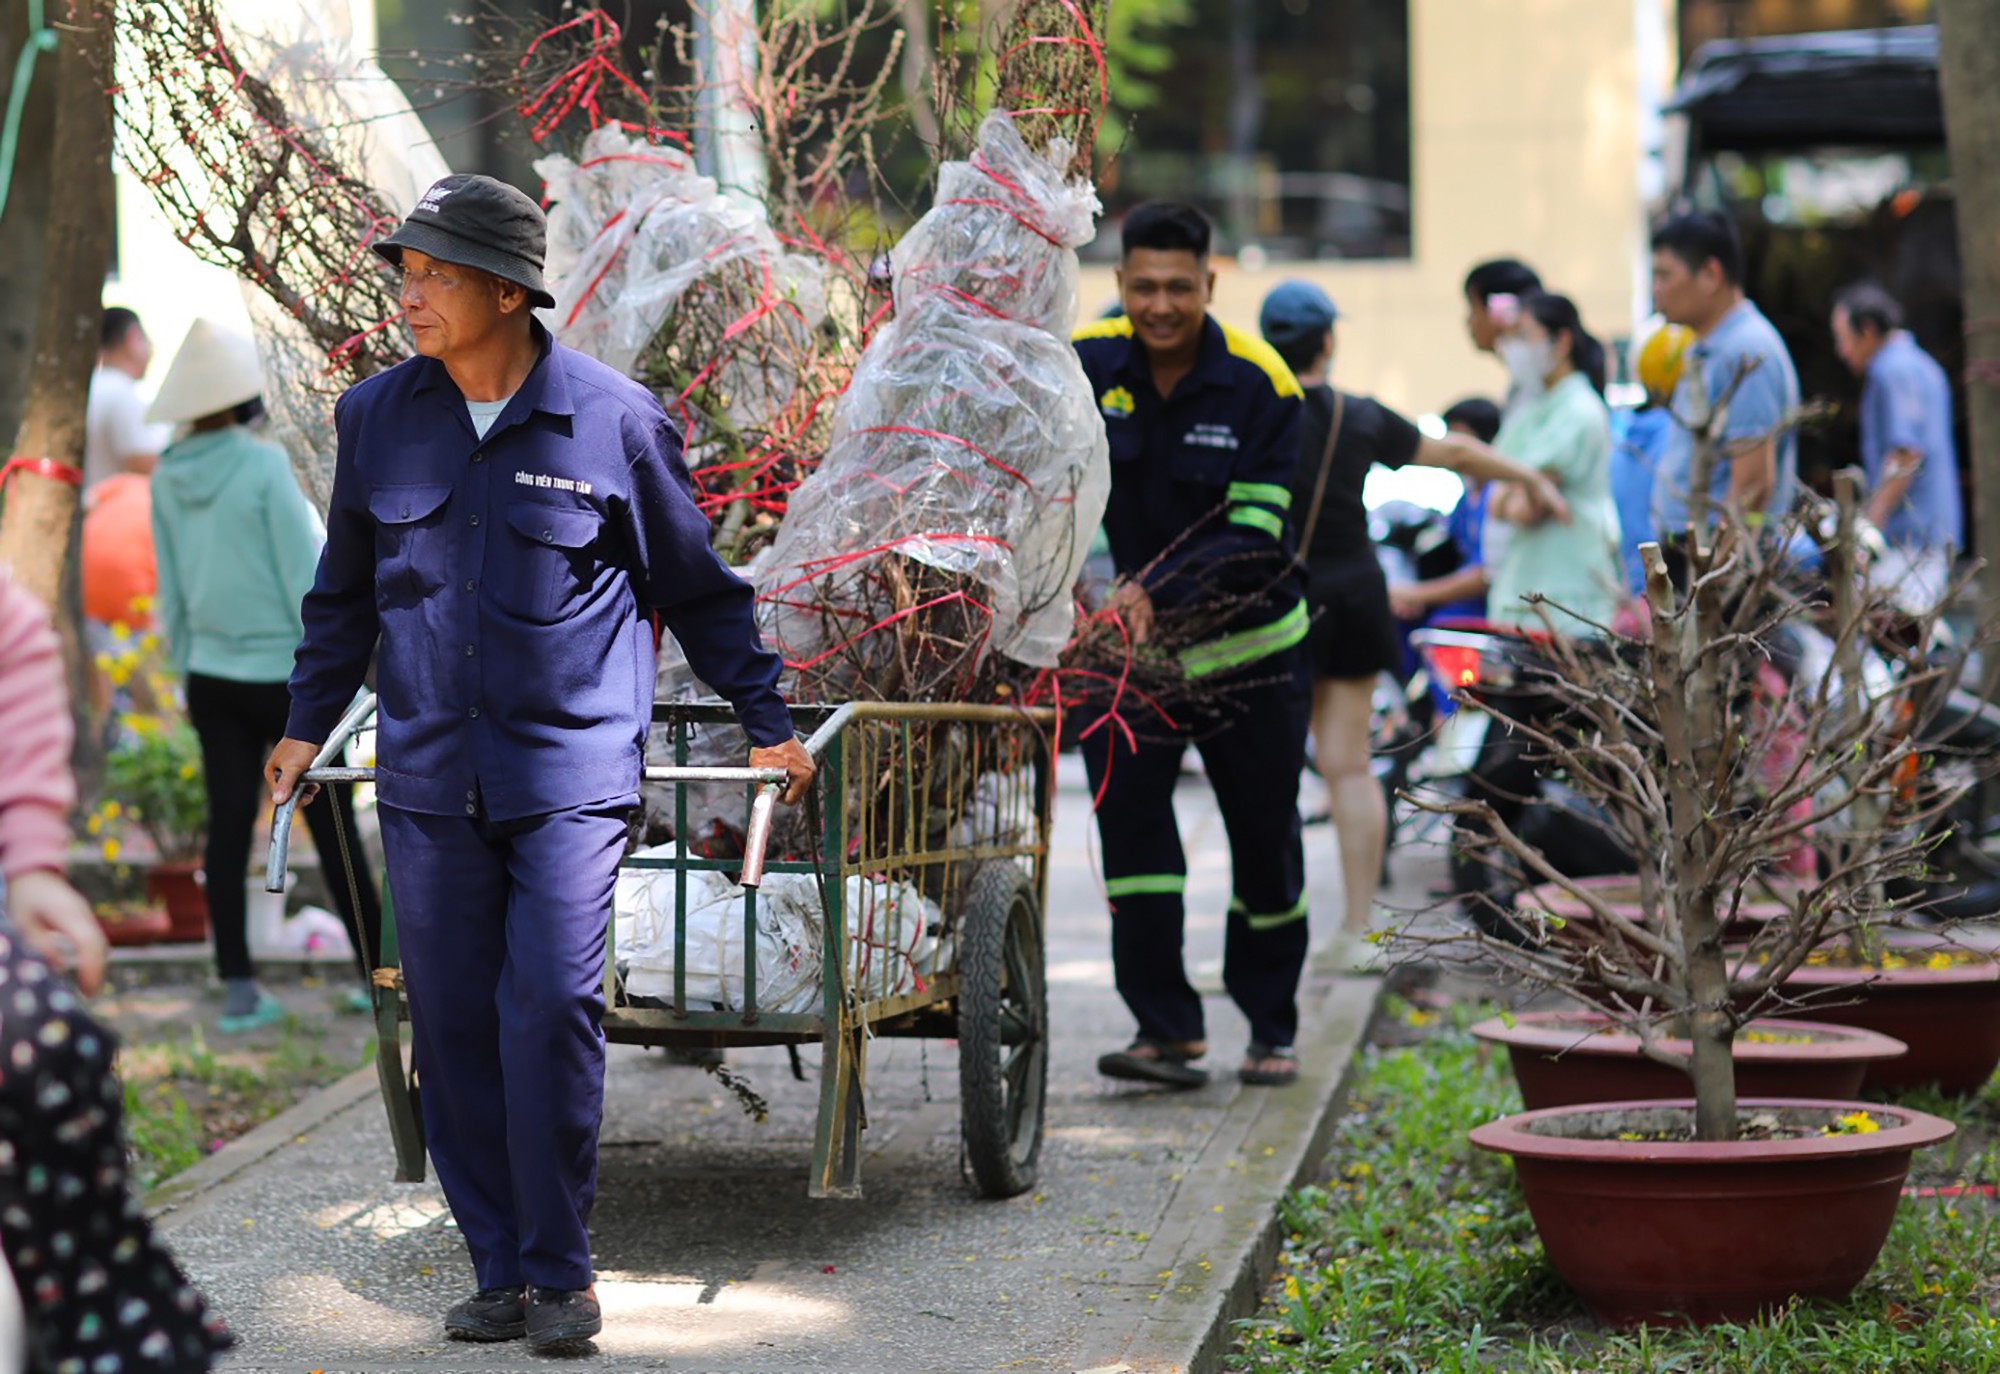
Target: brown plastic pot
(1621, 893)
(179, 888)
(1949, 1017)
(1566, 1058)
(1673, 1233)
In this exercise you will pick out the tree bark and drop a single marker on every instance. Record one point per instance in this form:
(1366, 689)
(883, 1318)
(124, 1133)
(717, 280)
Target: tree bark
(40, 511)
(22, 238)
(1969, 71)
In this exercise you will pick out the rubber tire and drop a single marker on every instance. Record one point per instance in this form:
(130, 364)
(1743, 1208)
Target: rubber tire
(1003, 994)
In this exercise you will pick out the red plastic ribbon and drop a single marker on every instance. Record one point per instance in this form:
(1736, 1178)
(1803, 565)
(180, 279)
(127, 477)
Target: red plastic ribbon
(42, 467)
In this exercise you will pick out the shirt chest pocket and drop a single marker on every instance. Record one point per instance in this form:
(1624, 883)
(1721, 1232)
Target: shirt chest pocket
(410, 542)
(1204, 459)
(546, 562)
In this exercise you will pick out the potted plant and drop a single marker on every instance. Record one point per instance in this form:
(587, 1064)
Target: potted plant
(1710, 1206)
(153, 783)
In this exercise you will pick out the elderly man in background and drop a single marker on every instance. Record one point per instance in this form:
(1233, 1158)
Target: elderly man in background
(1907, 449)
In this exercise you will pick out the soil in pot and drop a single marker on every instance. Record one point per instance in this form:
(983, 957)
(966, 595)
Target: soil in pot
(1566, 1058)
(1670, 1231)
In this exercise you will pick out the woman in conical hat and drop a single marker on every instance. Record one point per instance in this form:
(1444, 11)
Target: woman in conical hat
(238, 544)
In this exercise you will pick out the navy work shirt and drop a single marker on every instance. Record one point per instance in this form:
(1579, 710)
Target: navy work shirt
(505, 579)
(1201, 483)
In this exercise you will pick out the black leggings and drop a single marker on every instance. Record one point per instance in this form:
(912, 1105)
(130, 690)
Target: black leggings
(238, 723)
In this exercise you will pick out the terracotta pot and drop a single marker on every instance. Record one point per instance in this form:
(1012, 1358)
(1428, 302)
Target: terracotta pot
(1566, 1058)
(144, 925)
(1672, 1233)
(1621, 893)
(179, 887)
(1949, 1017)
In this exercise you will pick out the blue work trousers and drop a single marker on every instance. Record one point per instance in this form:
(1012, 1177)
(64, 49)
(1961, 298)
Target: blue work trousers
(1252, 762)
(502, 925)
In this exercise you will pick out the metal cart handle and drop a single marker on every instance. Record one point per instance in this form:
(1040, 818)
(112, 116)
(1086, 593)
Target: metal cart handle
(755, 839)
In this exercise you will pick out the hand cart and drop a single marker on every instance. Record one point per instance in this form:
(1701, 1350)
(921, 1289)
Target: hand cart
(947, 804)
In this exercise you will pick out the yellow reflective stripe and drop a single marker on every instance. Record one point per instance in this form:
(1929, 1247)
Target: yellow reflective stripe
(1269, 493)
(1119, 327)
(1137, 883)
(1252, 349)
(1258, 518)
(1274, 919)
(1247, 646)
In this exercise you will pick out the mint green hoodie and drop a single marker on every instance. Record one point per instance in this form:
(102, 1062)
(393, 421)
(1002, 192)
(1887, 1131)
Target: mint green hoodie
(238, 544)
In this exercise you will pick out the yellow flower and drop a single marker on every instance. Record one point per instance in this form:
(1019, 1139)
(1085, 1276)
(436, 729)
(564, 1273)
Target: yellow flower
(119, 674)
(111, 848)
(95, 825)
(113, 810)
(142, 604)
(1854, 1123)
(1291, 1288)
(103, 662)
(1940, 960)
(189, 772)
(148, 643)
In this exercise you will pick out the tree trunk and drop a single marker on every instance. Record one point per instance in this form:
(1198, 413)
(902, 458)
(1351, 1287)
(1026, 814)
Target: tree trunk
(40, 512)
(1688, 707)
(1969, 61)
(22, 238)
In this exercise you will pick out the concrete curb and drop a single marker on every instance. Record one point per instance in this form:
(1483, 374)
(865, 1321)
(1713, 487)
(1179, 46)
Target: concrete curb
(285, 1129)
(1206, 1270)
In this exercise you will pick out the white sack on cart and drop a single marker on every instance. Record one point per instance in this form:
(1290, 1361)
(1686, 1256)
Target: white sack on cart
(894, 938)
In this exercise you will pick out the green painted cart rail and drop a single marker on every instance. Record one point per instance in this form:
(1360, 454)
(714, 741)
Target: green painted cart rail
(952, 801)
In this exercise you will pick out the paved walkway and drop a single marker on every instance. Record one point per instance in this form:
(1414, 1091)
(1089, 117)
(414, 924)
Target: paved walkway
(1152, 1226)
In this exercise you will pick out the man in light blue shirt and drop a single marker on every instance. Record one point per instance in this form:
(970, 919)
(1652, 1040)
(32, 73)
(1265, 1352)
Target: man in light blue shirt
(1698, 282)
(1907, 449)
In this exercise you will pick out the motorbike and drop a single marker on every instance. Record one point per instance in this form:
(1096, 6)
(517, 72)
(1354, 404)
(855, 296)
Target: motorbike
(1512, 674)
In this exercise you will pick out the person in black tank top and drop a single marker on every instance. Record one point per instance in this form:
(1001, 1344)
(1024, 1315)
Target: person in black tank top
(1353, 637)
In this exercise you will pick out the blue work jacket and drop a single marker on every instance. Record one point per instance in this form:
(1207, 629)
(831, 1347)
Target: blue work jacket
(1201, 484)
(507, 580)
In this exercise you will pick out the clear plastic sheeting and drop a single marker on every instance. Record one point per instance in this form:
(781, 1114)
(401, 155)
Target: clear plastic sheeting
(896, 941)
(968, 440)
(306, 54)
(633, 227)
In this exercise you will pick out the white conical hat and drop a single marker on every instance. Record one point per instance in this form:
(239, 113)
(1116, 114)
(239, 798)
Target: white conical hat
(215, 370)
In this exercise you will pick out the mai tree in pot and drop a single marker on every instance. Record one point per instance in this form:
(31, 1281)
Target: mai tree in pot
(1713, 769)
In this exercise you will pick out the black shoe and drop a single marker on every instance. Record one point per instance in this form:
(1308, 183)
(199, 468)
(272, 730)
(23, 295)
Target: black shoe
(561, 1321)
(491, 1314)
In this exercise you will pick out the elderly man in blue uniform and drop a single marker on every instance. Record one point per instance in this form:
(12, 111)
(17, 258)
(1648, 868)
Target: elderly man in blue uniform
(1908, 452)
(506, 514)
(1738, 356)
(1203, 424)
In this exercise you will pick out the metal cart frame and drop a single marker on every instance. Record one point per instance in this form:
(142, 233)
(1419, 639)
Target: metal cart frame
(955, 799)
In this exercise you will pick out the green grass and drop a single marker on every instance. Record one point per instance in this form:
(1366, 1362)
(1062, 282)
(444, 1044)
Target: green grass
(1418, 1254)
(183, 1100)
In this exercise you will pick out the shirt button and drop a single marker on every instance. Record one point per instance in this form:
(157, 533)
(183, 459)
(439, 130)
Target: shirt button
(548, 536)
(406, 512)
(475, 519)
(473, 712)
(470, 651)
(471, 795)
(478, 457)
(472, 584)
(471, 810)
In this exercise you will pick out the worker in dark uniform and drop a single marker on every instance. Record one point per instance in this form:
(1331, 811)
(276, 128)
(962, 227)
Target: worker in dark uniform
(1203, 422)
(505, 514)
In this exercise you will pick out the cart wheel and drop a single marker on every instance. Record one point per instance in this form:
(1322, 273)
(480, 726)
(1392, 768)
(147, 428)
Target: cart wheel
(1003, 1031)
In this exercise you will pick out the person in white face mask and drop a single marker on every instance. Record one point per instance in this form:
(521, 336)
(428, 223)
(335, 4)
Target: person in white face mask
(1562, 429)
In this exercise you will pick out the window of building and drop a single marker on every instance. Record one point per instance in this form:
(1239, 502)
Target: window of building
(1287, 120)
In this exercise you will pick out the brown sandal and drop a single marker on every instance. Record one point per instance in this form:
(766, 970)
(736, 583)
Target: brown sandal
(1149, 1061)
(1257, 1076)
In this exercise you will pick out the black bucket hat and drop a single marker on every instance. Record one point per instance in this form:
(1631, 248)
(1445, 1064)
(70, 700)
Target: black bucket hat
(475, 221)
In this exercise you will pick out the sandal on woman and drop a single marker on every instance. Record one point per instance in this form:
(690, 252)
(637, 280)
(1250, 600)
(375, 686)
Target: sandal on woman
(1150, 1061)
(1267, 1067)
